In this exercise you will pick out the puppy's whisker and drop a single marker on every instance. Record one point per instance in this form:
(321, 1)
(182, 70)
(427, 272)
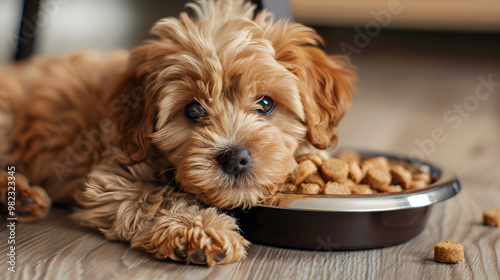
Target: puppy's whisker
(174, 180)
(166, 170)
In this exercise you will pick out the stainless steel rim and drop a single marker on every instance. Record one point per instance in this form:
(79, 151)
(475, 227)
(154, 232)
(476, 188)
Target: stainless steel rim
(445, 187)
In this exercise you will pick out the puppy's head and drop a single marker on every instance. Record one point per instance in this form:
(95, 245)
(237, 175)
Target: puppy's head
(228, 99)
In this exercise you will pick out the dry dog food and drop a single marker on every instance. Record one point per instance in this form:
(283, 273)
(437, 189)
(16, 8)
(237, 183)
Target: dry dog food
(316, 159)
(305, 169)
(349, 156)
(309, 188)
(336, 188)
(355, 173)
(316, 179)
(361, 189)
(448, 252)
(424, 177)
(287, 187)
(418, 184)
(378, 178)
(492, 217)
(401, 176)
(335, 170)
(347, 173)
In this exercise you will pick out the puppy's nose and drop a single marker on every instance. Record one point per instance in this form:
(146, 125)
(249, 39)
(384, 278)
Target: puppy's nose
(235, 160)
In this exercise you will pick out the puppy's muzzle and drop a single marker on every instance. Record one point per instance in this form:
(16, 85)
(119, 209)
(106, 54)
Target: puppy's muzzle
(234, 161)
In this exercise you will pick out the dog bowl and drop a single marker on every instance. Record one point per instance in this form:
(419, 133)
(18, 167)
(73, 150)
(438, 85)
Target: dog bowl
(329, 222)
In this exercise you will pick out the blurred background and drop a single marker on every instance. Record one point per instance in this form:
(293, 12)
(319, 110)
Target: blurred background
(420, 63)
(68, 25)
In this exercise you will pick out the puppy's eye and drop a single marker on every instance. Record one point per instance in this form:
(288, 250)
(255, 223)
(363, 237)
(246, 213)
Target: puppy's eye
(195, 112)
(267, 105)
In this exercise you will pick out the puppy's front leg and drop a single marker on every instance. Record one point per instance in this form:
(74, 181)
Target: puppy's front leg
(30, 203)
(194, 235)
(126, 204)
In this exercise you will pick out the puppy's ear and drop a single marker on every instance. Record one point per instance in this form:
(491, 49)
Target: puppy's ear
(324, 81)
(326, 94)
(134, 106)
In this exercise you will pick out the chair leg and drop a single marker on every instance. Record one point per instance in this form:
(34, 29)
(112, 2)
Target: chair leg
(280, 8)
(258, 3)
(27, 30)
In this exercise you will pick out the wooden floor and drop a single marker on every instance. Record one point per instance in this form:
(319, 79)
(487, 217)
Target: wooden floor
(403, 92)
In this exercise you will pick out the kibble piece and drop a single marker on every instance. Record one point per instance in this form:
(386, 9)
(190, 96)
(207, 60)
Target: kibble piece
(381, 162)
(374, 190)
(315, 178)
(492, 217)
(335, 170)
(361, 189)
(304, 169)
(349, 156)
(378, 178)
(401, 176)
(425, 176)
(448, 252)
(336, 188)
(309, 188)
(365, 166)
(355, 173)
(415, 185)
(390, 188)
(348, 182)
(287, 187)
(312, 157)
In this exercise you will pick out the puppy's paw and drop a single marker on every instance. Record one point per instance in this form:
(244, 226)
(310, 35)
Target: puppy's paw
(198, 236)
(30, 202)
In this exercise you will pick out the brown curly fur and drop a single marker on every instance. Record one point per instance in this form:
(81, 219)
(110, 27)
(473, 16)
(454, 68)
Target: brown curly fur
(105, 128)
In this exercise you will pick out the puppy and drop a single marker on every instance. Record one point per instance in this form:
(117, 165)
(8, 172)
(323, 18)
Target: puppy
(210, 113)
